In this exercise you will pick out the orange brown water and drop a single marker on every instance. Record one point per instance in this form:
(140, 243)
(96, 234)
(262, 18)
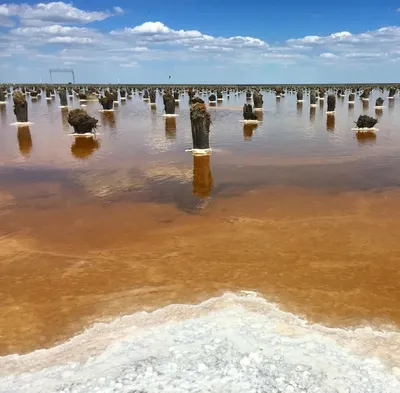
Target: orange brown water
(297, 209)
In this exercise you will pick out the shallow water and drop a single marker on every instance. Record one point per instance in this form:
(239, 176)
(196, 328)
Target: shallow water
(296, 208)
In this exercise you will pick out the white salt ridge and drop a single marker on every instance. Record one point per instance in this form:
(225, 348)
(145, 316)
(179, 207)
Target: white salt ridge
(227, 344)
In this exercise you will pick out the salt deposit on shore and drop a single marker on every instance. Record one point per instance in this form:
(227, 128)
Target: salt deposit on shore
(228, 344)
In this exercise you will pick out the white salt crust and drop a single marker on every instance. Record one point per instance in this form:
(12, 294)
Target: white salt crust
(230, 344)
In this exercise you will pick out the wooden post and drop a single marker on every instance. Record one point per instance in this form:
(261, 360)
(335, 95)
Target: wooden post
(200, 121)
(20, 107)
(82, 122)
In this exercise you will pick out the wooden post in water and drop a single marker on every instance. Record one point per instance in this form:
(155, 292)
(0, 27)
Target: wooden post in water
(169, 104)
(313, 99)
(257, 100)
(248, 113)
(200, 121)
(2, 96)
(107, 102)
(20, 107)
(300, 96)
(331, 104)
(63, 98)
(82, 122)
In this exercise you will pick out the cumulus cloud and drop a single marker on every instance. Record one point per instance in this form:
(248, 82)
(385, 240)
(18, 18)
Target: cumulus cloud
(129, 65)
(159, 33)
(70, 40)
(328, 55)
(51, 13)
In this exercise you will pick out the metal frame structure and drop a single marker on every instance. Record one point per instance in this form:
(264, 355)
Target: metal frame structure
(59, 70)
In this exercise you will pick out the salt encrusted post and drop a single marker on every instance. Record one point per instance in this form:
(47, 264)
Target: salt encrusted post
(392, 92)
(200, 121)
(82, 122)
(20, 107)
(313, 99)
(212, 99)
(63, 98)
(352, 97)
(258, 100)
(2, 96)
(248, 113)
(169, 104)
(331, 103)
(379, 103)
(365, 121)
(300, 96)
(152, 95)
(107, 102)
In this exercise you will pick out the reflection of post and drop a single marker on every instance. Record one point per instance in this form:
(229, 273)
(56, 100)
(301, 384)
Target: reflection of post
(248, 130)
(84, 147)
(24, 141)
(108, 119)
(3, 114)
(312, 113)
(391, 105)
(170, 127)
(64, 118)
(260, 115)
(202, 178)
(299, 108)
(365, 104)
(330, 122)
(366, 138)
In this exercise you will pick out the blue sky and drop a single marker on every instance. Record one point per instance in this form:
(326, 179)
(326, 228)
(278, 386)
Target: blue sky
(212, 41)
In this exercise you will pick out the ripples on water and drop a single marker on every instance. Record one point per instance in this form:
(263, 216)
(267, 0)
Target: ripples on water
(313, 239)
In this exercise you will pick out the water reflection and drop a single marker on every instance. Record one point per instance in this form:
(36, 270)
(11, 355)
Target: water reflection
(299, 109)
(202, 178)
(260, 115)
(321, 104)
(84, 147)
(378, 112)
(351, 109)
(365, 105)
(3, 115)
(64, 119)
(170, 127)
(24, 141)
(366, 138)
(391, 105)
(313, 110)
(108, 120)
(248, 130)
(330, 122)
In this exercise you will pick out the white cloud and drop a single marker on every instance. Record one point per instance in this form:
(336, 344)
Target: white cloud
(136, 49)
(50, 30)
(70, 40)
(129, 65)
(52, 13)
(159, 33)
(328, 55)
